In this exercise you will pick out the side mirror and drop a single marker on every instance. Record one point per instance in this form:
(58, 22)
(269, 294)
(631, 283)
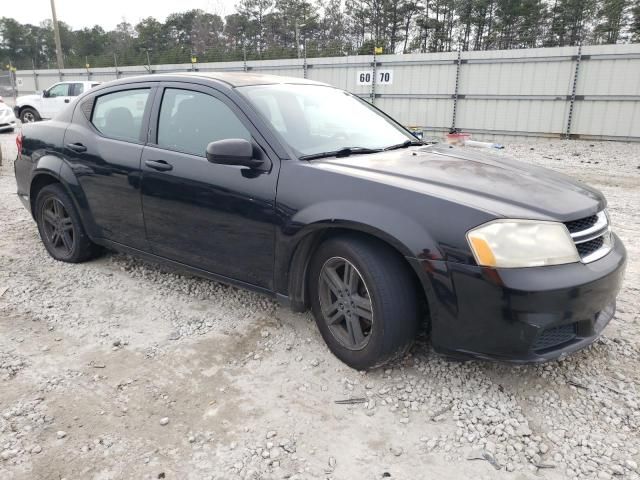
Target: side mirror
(233, 151)
(45, 94)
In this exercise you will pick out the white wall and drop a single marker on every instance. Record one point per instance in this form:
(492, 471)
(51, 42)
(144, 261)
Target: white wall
(501, 94)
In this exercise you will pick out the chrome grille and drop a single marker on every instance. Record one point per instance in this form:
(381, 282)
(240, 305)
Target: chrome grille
(591, 235)
(581, 224)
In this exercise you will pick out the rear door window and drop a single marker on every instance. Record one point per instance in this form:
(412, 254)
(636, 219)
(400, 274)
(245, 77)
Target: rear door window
(190, 120)
(76, 89)
(120, 114)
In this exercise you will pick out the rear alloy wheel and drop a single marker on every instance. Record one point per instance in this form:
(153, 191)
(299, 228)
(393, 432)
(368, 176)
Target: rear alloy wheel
(29, 115)
(364, 300)
(60, 227)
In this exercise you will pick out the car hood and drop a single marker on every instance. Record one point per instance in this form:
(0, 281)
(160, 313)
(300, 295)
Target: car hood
(486, 181)
(25, 99)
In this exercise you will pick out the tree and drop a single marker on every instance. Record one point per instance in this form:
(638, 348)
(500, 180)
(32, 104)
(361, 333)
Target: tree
(611, 19)
(634, 29)
(570, 21)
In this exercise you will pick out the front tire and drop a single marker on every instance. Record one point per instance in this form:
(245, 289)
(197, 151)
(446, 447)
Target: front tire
(60, 227)
(364, 300)
(29, 115)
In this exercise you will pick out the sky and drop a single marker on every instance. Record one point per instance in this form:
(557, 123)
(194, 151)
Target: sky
(106, 13)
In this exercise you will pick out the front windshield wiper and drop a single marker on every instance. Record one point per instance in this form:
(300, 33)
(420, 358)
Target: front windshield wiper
(405, 144)
(342, 152)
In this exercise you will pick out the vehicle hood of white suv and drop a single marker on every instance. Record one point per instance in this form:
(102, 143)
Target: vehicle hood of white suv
(27, 99)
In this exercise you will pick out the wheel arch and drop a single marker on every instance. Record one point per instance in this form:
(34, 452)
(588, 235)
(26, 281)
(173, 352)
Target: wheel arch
(51, 169)
(40, 180)
(297, 263)
(22, 107)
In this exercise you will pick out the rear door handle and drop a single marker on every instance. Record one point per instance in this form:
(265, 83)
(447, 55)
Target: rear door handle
(66, 100)
(76, 147)
(159, 165)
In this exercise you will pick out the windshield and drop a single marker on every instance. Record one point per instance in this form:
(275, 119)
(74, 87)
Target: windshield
(314, 119)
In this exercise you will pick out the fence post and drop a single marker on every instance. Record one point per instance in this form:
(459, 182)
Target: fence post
(244, 54)
(304, 60)
(13, 82)
(115, 62)
(35, 75)
(456, 89)
(373, 76)
(574, 88)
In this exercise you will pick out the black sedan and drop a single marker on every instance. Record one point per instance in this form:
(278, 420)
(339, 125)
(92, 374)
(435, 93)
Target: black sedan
(309, 194)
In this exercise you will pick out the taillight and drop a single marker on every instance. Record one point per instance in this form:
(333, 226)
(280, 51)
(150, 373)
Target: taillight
(19, 140)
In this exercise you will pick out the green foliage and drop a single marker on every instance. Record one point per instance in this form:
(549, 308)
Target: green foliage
(266, 29)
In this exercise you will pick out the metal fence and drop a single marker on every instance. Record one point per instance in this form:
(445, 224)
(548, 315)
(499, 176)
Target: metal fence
(569, 92)
(7, 87)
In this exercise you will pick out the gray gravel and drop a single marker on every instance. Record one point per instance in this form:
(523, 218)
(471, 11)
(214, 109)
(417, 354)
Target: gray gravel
(122, 369)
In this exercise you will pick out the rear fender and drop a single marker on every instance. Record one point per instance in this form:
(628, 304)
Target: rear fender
(53, 166)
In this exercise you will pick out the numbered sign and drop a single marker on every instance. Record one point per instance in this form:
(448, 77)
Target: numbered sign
(383, 77)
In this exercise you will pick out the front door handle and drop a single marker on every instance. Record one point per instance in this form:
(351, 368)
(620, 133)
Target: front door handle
(66, 100)
(159, 165)
(76, 147)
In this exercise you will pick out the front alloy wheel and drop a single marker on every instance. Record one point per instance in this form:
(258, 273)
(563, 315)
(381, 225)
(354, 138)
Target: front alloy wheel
(345, 303)
(364, 299)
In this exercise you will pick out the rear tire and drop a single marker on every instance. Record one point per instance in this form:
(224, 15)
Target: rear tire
(60, 227)
(29, 115)
(364, 301)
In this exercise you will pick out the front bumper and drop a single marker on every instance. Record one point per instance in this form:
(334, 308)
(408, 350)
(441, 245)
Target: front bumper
(7, 120)
(521, 315)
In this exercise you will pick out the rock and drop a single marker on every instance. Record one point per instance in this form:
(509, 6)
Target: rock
(61, 434)
(315, 362)
(631, 465)
(271, 434)
(164, 421)
(36, 449)
(397, 451)
(7, 454)
(617, 469)
(332, 462)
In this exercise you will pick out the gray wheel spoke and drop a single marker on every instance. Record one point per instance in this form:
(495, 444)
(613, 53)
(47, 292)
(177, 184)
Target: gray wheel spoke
(67, 224)
(333, 280)
(363, 307)
(49, 217)
(55, 237)
(350, 278)
(355, 331)
(56, 209)
(335, 318)
(66, 239)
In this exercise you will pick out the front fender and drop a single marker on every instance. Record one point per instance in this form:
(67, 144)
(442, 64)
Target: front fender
(389, 224)
(306, 228)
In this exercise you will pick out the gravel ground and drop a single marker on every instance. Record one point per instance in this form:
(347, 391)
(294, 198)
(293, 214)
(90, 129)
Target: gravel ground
(121, 369)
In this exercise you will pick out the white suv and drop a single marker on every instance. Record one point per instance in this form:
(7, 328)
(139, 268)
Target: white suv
(31, 108)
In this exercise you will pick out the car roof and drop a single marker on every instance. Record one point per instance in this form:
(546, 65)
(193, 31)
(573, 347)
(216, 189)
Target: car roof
(241, 79)
(230, 79)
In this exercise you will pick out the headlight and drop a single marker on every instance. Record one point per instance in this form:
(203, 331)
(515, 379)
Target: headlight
(522, 243)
